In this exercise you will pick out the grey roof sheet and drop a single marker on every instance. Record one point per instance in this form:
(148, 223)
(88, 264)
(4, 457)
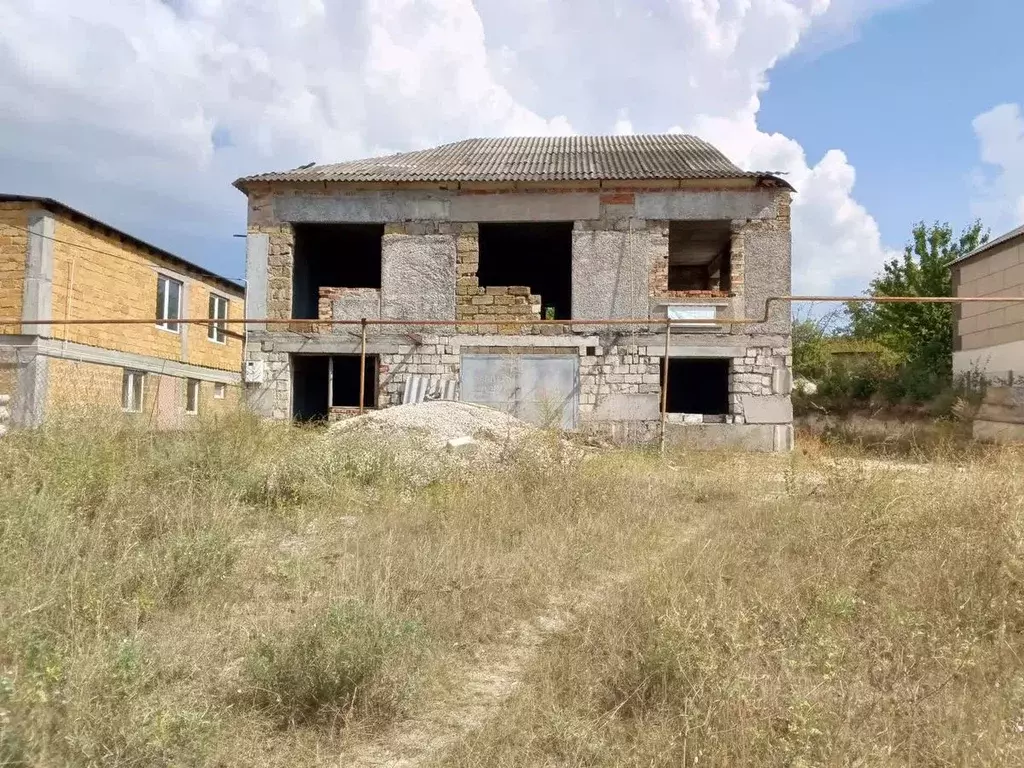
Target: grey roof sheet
(992, 244)
(537, 159)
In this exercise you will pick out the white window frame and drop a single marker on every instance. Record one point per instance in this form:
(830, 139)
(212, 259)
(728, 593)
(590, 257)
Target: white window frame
(189, 384)
(217, 332)
(220, 390)
(130, 381)
(168, 323)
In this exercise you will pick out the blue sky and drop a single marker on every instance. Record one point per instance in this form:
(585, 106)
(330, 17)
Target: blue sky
(882, 112)
(900, 100)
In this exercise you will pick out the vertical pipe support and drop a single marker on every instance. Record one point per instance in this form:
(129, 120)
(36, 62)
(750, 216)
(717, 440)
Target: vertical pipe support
(664, 380)
(330, 385)
(362, 366)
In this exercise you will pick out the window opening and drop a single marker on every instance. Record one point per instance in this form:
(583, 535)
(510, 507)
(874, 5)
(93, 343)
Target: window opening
(700, 256)
(132, 383)
(333, 256)
(697, 385)
(538, 255)
(218, 311)
(168, 302)
(192, 396)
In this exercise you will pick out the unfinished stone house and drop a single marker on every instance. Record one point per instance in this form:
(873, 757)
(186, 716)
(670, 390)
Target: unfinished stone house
(483, 236)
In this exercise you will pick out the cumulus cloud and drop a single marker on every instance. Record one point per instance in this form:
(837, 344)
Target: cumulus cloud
(143, 111)
(999, 200)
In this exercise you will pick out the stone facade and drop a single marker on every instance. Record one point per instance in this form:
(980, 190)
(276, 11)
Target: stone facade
(619, 272)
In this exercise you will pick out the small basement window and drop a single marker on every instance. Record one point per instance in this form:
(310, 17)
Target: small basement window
(697, 385)
(699, 256)
(219, 390)
(333, 256)
(538, 255)
(132, 383)
(192, 396)
(320, 382)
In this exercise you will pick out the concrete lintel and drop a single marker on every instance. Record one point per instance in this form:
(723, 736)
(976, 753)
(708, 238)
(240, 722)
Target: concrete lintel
(362, 207)
(476, 340)
(38, 294)
(717, 205)
(705, 351)
(698, 341)
(69, 350)
(335, 344)
(257, 256)
(526, 207)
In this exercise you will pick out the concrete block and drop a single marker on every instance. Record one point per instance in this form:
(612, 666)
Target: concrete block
(418, 277)
(511, 207)
(783, 437)
(748, 437)
(365, 207)
(707, 205)
(610, 275)
(767, 409)
(355, 304)
(464, 444)
(623, 407)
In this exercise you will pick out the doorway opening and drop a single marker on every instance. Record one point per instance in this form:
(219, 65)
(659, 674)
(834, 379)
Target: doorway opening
(323, 382)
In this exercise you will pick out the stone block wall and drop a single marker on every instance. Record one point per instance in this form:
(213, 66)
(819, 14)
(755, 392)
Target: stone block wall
(620, 264)
(95, 274)
(13, 249)
(498, 307)
(346, 304)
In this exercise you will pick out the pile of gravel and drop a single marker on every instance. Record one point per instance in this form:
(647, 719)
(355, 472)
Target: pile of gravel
(435, 423)
(415, 437)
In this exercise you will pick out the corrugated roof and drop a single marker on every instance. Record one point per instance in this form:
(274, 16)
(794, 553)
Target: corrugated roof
(534, 159)
(992, 244)
(58, 207)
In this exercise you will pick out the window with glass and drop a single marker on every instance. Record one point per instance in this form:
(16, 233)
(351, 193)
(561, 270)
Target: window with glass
(218, 312)
(192, 396)
(132, 383)
(168, 302)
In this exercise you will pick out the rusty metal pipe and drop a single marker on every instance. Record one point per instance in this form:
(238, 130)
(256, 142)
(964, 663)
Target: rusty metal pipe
(362, 366)
(664, 384)
(607, 321)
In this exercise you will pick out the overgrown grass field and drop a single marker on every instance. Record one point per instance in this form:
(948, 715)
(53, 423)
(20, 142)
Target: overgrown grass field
(251, 594)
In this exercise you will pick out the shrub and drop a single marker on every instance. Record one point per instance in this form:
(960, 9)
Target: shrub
(351, 661)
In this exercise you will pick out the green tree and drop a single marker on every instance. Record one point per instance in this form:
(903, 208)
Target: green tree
(922, 334)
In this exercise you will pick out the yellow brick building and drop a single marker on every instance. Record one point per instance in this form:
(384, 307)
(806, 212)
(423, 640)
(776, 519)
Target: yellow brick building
(58, 264)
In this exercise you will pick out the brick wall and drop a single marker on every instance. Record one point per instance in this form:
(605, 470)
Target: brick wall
(13, 249)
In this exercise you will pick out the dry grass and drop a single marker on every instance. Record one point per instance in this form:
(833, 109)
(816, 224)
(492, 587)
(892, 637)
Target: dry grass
(252, 595)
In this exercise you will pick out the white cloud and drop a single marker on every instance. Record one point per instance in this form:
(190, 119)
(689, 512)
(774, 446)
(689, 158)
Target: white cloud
(999, 200)
(143, 111)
